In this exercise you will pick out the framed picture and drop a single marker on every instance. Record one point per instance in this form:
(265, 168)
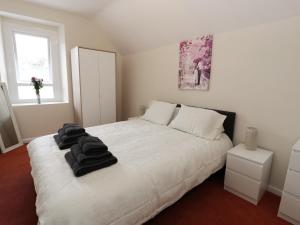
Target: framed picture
(195, 63)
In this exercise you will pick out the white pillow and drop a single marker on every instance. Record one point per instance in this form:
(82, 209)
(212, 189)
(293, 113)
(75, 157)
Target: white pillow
(175, 113)
(200, 122)
(159, 112)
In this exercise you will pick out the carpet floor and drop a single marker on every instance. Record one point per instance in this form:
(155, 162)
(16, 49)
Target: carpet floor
(207, 204)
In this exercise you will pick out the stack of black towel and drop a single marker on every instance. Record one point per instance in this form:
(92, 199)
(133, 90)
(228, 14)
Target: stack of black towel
(88, 155)
(69, 135)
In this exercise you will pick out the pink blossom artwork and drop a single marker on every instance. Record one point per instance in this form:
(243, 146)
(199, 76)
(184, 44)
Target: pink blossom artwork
(195, 63)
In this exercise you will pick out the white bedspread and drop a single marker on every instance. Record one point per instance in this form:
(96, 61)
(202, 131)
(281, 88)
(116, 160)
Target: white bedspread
(157, 165)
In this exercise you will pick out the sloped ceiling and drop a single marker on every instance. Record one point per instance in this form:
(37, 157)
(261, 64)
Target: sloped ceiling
(137, 25)
(83, 7)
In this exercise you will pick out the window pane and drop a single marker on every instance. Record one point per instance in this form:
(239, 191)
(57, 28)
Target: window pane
(28, 92)
(32, 54)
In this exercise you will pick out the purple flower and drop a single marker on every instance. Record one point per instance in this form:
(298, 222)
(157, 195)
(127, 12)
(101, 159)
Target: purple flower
(37, 84)
(197, 60)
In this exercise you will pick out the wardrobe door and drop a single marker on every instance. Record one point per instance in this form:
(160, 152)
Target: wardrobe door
(90, 91)
(76, 85)
(107, 71)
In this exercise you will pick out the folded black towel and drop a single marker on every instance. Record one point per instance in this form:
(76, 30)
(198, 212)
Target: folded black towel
(80, 170)
(64, 144)
(88, 139)
(67, 137)
(83, 159)
(91, 145)
(71, 129)
(68, 125)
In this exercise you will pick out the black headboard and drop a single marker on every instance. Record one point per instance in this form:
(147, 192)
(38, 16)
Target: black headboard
(228, 123)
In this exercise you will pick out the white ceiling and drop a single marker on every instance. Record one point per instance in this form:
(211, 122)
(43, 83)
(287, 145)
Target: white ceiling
(136, 25)
(84, 7)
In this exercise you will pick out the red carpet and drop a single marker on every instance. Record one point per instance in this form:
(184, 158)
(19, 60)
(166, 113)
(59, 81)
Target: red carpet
(208, 204)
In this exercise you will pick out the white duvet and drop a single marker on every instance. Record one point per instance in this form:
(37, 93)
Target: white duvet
(157, 165)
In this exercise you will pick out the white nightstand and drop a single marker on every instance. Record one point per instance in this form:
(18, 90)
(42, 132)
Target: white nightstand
(290, 200)
(247, 172)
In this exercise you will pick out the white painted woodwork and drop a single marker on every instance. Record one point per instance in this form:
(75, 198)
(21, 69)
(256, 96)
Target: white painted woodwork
(289, 208)
(94, 86)
(247, 172)
(107, 84)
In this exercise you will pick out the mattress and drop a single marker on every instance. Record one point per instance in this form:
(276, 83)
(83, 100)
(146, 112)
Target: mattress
(156, 166)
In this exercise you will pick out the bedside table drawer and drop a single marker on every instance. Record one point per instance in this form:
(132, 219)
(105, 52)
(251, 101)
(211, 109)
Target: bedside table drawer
(245, 167)
(295, 161)
(292, 183)
(290, 206)
(242, 184)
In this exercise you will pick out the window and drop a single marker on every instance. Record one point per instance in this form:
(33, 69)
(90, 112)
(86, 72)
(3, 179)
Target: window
(32, 52)
(32, 57)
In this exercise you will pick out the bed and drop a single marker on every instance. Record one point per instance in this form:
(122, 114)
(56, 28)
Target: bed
(157, 166)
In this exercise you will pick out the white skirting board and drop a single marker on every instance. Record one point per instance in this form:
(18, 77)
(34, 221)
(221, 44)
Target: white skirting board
(27, 140)
(274, 190)
(287, 218)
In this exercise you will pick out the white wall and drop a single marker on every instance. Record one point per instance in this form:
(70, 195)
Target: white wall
(255, 73)
(36, 120)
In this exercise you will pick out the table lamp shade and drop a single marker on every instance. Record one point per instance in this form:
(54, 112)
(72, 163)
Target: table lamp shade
(251, 138)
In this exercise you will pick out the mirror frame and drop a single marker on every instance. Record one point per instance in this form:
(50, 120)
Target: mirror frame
(14, 121)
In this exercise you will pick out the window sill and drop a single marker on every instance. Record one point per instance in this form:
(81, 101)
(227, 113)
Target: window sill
(35, 104)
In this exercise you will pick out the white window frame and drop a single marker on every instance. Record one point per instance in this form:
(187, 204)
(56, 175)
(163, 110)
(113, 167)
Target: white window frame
(9, 30)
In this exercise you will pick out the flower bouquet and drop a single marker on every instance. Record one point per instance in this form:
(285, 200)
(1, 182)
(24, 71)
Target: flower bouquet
(37, 85)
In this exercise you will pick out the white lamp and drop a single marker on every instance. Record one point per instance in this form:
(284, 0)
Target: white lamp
(251, 138)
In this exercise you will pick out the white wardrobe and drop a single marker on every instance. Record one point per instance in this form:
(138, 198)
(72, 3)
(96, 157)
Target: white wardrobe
(94, 86)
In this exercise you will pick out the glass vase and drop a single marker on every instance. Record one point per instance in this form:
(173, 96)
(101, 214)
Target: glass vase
(38, 98)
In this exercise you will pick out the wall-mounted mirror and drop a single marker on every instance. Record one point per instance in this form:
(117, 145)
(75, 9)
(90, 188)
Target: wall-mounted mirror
(10, 137)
